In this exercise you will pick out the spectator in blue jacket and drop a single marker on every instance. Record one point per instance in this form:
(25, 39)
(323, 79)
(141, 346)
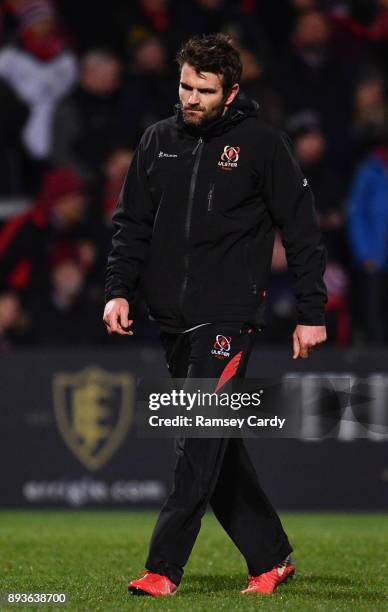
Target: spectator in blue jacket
(368, 239)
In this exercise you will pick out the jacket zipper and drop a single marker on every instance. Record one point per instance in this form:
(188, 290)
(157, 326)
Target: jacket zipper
(210, 197)
(197, 152)
(253, 284)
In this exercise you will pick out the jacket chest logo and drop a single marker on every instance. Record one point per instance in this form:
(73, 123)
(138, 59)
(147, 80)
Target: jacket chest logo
(163, 154)
(229, 158)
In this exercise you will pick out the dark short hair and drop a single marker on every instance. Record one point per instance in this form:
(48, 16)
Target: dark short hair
(212, 53)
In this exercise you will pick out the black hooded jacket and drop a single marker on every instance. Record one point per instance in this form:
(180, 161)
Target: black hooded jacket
(196, 219)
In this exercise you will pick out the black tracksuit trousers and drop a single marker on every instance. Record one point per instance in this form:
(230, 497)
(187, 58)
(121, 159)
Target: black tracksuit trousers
(214, 471)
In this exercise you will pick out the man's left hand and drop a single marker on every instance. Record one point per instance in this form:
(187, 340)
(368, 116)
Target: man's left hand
(306, 338)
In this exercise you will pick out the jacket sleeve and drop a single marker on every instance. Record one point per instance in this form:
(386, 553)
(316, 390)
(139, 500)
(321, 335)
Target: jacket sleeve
(291, 205)
(132, 225)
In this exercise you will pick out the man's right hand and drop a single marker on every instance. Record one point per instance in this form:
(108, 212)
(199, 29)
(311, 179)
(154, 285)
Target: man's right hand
(116, 317)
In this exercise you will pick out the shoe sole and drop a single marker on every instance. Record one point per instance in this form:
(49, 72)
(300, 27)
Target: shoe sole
(140, 593)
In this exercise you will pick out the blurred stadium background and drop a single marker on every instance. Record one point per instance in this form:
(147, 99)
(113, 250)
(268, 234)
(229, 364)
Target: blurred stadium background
(79, 82)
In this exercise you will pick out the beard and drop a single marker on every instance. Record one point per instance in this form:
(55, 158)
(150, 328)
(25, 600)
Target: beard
(199, 117)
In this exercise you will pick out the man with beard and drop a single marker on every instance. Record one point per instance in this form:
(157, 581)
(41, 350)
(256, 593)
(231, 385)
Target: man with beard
(195, 221)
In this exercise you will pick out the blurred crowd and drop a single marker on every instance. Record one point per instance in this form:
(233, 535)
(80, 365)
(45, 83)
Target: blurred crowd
(79, 83)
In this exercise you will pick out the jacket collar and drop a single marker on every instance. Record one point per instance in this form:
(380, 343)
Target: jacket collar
(241, 108)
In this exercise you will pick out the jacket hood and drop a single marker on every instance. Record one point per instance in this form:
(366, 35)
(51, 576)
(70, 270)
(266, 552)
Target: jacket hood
(241, 108)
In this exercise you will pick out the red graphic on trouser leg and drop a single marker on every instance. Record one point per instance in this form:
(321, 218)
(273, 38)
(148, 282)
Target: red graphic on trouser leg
(229, 371)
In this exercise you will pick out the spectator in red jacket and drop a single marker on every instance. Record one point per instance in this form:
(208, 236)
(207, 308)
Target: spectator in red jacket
(25, 240)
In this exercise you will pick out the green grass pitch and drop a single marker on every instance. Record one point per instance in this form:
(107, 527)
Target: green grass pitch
(342, 563)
